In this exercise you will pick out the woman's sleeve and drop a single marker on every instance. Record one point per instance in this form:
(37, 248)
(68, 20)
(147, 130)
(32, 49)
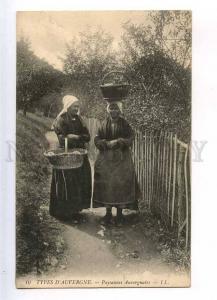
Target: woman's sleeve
(127, 140)
(100, 141)
(60, 130)
(85, 135)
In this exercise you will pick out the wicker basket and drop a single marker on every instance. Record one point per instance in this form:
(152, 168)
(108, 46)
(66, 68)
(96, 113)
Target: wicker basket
(114, 90)
(72, 159)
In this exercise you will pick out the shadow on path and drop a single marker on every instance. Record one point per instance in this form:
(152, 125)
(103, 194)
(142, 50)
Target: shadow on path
(96, 249)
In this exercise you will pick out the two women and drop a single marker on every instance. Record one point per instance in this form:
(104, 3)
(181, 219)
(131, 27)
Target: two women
(115, 182)
(71, 189)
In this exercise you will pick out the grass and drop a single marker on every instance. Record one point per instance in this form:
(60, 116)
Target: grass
(165, 239)
(37, 234)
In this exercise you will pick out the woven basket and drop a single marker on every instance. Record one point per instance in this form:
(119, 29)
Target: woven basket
(72, 159)
(114, 90)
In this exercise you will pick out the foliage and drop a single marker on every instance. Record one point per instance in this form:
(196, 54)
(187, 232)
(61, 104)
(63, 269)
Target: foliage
(88, 58)
(155, 56)
(37, 234)
(50, 104)
(35, 77)
(172, 32)
(151, 57)
(172, 251)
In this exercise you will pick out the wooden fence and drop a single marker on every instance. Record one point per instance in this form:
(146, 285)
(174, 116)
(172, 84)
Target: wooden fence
(162, 164)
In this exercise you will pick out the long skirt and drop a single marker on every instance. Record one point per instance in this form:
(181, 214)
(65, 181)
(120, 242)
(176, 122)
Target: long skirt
(70, 190)
(115, 182)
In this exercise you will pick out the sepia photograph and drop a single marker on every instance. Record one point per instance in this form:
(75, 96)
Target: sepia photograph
(103, 149)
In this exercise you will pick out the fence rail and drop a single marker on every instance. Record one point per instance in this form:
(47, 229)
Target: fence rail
(162, 164)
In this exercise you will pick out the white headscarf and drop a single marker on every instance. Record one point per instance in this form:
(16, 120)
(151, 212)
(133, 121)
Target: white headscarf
(118, 103)
(68, 101)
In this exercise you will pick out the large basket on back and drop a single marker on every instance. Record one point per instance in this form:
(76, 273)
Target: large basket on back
(72, 159)
(113, 88)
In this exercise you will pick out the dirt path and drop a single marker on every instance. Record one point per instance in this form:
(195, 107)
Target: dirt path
(109, 256)
(93, 249)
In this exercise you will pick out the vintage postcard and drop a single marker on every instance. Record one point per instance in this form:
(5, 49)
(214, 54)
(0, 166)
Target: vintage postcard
(103, 132)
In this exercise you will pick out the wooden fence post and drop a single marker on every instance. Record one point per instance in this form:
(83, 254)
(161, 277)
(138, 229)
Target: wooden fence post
(153, 169)
(143, 168)
(163, 183)
(161, 179)
(150, 167)
(180, 188)
(170, 171)
(158, 171)
(186, 199)
(167, 172)
(174, 179)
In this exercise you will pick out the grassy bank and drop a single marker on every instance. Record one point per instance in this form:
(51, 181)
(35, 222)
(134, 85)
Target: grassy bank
(37, 234)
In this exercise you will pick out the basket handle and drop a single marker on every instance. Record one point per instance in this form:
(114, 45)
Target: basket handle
(66, 144)
(114, 72)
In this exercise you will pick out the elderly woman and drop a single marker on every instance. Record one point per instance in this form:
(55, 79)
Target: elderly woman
(70, 188)
(115, 183)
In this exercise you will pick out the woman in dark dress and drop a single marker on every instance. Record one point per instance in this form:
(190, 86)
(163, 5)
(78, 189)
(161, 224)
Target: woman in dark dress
(115, 183)
(70, 188)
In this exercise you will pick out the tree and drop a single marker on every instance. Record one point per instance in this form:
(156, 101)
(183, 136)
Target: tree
(25, 68)
(35, 77)
(88, 58)
(172, 32)
(161, 81)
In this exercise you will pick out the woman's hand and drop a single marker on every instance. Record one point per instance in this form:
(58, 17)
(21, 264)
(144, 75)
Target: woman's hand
(112, 143)
(121, 140)
(73, 136)
(121, 143)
